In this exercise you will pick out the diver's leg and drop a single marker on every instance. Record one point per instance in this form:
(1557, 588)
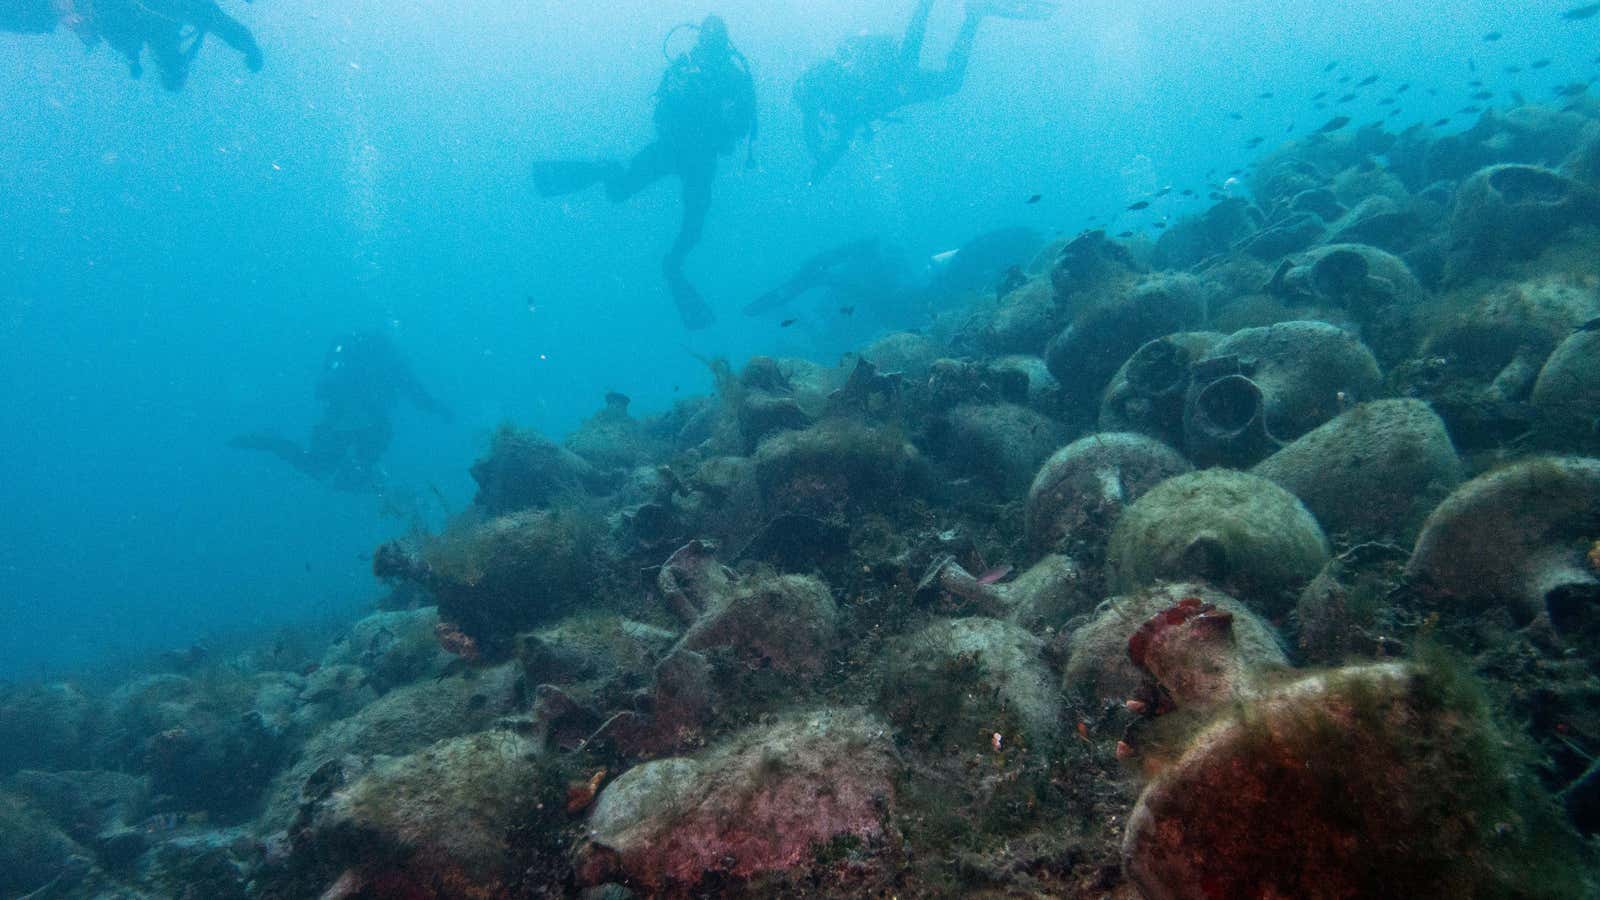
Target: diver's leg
(831, 154)
(172, 63)
(210, 17)
(922, 85)
(697, 174)
(916, 32)
(283, 448)
(648, 166)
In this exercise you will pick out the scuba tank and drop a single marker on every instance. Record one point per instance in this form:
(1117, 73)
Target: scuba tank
(738, 58)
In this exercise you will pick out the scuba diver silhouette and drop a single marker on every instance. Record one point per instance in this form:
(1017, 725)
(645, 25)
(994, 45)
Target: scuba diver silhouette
(173, 30)
(870, 76)
(705, 105)
(363, 378)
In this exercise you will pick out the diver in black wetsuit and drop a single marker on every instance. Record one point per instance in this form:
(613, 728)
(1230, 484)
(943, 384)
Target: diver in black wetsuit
(869, 77)
(705, 105)
(858, 271)
(173, 30)
(363, 378)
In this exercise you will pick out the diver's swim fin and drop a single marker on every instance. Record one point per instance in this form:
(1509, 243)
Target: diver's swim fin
(1025, 10)
(692, 307)
(553, 178)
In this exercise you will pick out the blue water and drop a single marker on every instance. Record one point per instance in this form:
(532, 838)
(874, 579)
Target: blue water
(173, 266)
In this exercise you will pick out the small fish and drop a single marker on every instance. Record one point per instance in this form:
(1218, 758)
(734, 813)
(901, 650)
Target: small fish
(1330, 67)
(1346, 79)
(1403, 88)
(787, 322)
(1255, 142)
(1472, 65)
(1512, 70)
(1125, 234)
(1266, 95)
(1334, 124)
(1163, 192)
(1160, 225)
(1492, 36)
(1518, 99)
(1142, 204)
(1367, 81)
(1188, 192)
(1320, 95)
(1034, 199)
(1237, 117)
(1591, 325)
(1347, 98)
(1539, 64)
(1387, 101)
(1469, 110)
(1571, 90)
(1442, 123)
(847, 310)
(676, 388)
(994, 575)
(1483, 95)
(1579, 13)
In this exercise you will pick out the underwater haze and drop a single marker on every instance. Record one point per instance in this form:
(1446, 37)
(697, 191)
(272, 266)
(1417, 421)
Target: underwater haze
(1041, 452)
(177, 263)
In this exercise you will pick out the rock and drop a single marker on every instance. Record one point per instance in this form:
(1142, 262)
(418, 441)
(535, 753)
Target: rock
(1001, 444)
(767, 403)
(1090, 264)
(1148, 393)
(1263, 386)
(611, 438)
(92, 806)
(1374, 288)
(393, 648)
(1372, 474)
(1566, 398)
(505, 575)
(1043, 391)
(1345, 612)
(761, 801)
(1507, 213)
(1020, 322)
(1079, 493)
(34, 853)
(957, 682)
(1100, 668)
(1359, 783)
(1279, 239)
(445, 815)
(401, 721)
(45, 726)
(1480, 364)
(833, 468)
(1196, 238)
(1517, 538)
(903, 352)
(1531, 135)
(1241, 532)
(784, 623)
(1049, 593)
(1102, 336)
(526, 471)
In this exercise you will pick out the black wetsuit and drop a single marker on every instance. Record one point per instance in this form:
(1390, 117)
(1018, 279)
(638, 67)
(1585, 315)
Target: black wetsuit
(869, 77)
(363, 379)
(705, 105)
(173, 30)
